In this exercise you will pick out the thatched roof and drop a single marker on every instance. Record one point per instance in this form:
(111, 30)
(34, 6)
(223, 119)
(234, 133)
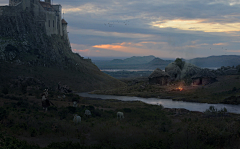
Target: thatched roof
(204, 73)
(158, 73)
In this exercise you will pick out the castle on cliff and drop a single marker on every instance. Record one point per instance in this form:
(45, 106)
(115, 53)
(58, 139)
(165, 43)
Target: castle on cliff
(46, 15)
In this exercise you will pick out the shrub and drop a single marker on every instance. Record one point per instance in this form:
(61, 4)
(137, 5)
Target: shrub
(63, 114)
(3, 113)
(215, 112)
(128, 110)
(90, 108)
(234, 89)
(52, 108)
(5, 91)
(13, 143)
(33, 132)
(71, 109)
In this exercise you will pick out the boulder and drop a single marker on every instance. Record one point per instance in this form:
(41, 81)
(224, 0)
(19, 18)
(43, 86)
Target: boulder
(189, 70)
(173, 70)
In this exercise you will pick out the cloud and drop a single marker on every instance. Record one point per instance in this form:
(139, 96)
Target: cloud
(79, 50)
(220, 44)
(197, 25)
(84, 9)
(121, 47)
(156, 27)
(108, 33)
(237, 51)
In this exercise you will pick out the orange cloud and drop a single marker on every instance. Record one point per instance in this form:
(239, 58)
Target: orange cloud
(75, 50)
(108, 46)
(220, 44)
(126, 47)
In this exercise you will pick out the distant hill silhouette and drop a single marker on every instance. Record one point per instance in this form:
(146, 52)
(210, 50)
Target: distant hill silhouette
(216, 61)
(152, 62)
(135, 62)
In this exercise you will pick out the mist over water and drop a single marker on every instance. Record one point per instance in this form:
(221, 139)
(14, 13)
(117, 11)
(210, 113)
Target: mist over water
(168, 103)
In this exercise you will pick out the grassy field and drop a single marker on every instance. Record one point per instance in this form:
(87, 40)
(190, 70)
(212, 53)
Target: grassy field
(23, 124)
(216, 92)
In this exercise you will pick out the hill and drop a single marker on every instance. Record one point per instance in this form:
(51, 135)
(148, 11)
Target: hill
(216, 61)
(135, 62)
(27, 52)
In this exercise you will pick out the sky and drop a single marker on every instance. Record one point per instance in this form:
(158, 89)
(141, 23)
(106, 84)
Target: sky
(164, 28)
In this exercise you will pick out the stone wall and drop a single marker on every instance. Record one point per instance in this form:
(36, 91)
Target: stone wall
(51, 20)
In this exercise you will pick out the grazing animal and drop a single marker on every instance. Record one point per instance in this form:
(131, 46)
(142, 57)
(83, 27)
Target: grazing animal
(75, 104)
(120, 115)
(87, 113)
(76, 119)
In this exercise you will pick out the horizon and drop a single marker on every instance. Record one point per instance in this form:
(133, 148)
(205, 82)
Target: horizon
(165, 29)
(122, 58)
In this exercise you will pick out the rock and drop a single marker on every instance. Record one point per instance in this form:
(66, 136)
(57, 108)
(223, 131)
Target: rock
(189, 70)
(173, 70)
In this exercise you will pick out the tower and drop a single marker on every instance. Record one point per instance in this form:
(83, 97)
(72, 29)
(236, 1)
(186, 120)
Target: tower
(14, 2)
(48, 1)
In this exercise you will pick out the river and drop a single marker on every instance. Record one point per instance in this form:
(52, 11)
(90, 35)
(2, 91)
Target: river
(168, 103)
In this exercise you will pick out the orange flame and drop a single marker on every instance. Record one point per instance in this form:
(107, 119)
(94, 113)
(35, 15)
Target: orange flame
(179, 88)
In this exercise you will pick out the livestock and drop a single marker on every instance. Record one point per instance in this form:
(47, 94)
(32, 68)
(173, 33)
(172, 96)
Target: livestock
(120, 115)
(87, 113)
(76, 119)
(75, 104)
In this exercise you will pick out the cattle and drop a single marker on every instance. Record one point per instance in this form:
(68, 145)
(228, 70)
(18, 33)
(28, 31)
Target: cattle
(75, 104)
(87, 113)
(76, 119)
(120, 115)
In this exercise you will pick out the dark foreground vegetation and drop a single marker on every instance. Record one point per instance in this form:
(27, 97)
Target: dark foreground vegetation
(23, 124)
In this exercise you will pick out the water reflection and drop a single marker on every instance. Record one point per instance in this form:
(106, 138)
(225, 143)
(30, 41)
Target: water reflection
(168, 103)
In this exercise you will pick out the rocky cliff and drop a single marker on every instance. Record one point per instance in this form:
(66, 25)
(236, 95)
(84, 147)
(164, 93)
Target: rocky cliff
(26, 51)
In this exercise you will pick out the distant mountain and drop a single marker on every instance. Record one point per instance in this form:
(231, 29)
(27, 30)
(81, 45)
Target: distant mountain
(139, 59)
(216, 61)
(135, 62)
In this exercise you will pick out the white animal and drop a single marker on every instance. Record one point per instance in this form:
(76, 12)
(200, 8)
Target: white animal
(75, 104)
(120, 115)
(76, 119)
(88, 113)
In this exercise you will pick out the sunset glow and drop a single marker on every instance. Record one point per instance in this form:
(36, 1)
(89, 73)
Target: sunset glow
(188, 30)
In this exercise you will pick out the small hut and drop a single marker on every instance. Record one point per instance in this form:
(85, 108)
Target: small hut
(204, 77)
(159, 77)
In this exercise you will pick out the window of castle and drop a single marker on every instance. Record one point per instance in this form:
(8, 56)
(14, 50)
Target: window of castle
(49, 23)
(53, 23)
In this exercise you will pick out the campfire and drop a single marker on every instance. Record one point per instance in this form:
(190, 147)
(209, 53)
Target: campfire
(178, 89)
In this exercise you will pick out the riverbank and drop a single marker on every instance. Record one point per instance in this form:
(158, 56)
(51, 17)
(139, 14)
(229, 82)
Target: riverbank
(217, 92)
